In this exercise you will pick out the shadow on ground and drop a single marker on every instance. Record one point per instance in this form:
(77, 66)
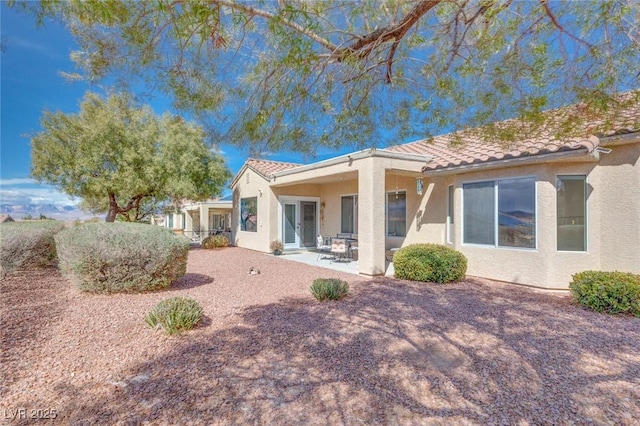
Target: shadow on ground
(392, 353)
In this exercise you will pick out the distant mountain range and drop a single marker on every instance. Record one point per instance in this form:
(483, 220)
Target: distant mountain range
(515, 218)
(66, 212)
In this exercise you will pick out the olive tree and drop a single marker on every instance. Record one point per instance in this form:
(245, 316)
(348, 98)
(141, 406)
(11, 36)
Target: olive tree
(119, 157)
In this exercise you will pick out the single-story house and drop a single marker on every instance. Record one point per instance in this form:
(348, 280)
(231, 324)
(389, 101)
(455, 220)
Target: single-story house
(532, 213)
(5, 218)
(202, 218)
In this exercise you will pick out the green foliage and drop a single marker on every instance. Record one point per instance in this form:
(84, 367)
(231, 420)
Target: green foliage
(341, 72)
(429, 263)
(175, 315)
(121, 257)
(329, 289)
(611, 292)
(122, 158)
(215, 241)
(28, 245)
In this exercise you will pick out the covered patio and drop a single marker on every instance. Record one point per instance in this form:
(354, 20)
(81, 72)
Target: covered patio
(324, 261)
(369, 194)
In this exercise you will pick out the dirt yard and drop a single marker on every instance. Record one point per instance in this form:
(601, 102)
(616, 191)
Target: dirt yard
(393, 352)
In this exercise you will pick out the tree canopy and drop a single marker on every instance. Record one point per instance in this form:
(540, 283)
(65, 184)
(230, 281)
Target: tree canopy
(297, 75)
(122, 158)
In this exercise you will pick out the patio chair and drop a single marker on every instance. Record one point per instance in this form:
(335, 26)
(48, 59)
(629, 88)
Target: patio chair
(321, 247)
(339, 248)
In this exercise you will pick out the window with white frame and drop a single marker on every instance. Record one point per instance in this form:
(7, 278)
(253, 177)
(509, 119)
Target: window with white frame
(450, 210)
(349, 214)
(572, 213)
(500, 213)
(397, 214)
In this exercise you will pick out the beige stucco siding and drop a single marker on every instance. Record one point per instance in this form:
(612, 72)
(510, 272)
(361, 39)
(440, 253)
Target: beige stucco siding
(613, 204)
(256, 186)
(618, 196)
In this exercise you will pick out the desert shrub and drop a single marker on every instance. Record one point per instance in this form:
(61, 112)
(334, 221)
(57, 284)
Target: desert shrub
(276, 247)
(215, 241)
(611, 292)
(28, 245)
(175, 315)
(329, 289)
(121, 257)
(429, 263)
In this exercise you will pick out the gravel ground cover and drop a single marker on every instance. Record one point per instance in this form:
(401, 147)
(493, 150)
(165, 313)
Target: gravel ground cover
(393, 352)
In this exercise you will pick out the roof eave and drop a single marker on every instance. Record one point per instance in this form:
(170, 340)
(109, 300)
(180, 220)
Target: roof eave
(370, 152)
(581, 153)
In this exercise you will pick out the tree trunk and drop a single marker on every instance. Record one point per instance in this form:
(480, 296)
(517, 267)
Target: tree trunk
(113, 208)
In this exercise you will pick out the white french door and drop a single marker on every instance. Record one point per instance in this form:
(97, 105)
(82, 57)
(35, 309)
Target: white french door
(290, 225)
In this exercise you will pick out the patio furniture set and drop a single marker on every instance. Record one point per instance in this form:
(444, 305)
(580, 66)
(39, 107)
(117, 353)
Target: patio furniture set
(342, 247)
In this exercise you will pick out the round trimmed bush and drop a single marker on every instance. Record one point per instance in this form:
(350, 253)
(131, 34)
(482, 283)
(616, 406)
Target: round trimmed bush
(429, 263)
(28, 245)
(215, 241)
(611, 292)
(121, 257)
(175, 315)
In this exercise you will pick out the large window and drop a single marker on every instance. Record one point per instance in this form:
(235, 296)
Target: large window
(249, 214)
(572, 212)
(349, 214)
(501, 213)
(397, 214)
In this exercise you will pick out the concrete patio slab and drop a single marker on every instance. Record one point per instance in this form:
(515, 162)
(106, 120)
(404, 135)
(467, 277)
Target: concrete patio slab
(325, 261)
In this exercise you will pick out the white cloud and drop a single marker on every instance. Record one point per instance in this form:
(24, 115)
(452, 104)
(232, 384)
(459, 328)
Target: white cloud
(17, 181)
(19, 191)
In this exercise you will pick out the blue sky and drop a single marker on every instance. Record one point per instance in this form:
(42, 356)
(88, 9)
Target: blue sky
(31, 83)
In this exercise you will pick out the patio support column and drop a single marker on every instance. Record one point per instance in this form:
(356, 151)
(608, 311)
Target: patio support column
(204, 220)
(188, 222)
(371, 217)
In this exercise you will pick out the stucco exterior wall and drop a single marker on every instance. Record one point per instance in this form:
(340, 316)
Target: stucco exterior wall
(255, 186)
(613, 235)
(618, 196)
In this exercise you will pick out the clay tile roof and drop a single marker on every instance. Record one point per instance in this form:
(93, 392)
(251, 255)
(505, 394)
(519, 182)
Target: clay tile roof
(469, 147)
(267, 167)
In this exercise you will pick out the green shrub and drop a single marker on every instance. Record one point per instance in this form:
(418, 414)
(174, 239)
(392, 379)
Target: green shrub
(611, 292)
(429, 263)
(329, 289)
(28, 245)
(215, 241)
(121, 257)
(175, 315)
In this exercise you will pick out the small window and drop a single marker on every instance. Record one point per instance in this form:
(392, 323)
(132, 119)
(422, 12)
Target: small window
(249, 214)
(397, 214)
(572, 213)
(170, 221)
(450, 206)
(349, 214)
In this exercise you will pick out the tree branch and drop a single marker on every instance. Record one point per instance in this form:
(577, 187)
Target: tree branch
(391, 32)
(252, 11)
(560, 28)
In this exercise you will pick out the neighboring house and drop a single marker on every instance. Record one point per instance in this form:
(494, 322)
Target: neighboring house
(533, 213)
(6, 218)
(199, 219)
